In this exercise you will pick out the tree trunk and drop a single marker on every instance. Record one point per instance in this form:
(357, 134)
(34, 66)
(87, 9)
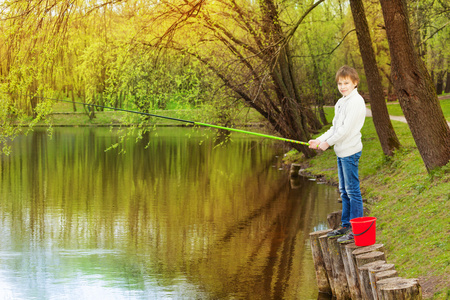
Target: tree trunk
(447, 84)
(73, 102)
(415, 89)
(385, 130)
(295, 116)
(320, 101)
(440, 82)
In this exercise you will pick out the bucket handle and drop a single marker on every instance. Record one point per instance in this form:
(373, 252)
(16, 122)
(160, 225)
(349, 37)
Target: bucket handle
(373, 222)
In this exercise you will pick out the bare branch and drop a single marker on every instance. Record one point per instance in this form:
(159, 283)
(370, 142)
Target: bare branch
(191, 12)
(437, 30)
(294, 29)
(328, 53)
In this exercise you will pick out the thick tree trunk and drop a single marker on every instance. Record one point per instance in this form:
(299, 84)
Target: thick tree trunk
(385, 130)
(415, 89)
(295, 118)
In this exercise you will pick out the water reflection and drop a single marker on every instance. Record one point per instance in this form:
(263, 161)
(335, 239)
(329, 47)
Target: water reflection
(176, 217)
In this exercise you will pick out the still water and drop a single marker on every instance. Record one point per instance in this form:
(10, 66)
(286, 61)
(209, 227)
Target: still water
(174, 217)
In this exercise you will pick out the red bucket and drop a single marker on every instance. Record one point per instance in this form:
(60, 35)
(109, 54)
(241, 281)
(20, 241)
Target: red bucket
(364, 230)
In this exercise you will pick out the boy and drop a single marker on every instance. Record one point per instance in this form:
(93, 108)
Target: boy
(345, 135)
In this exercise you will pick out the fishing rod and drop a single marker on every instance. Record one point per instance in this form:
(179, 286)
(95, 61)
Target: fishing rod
(190, 122)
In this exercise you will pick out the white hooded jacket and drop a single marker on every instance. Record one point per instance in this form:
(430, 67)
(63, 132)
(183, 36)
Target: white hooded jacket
(345, 133)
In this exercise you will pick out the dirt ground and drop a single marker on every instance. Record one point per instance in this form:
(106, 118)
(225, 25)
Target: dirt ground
(431, 284)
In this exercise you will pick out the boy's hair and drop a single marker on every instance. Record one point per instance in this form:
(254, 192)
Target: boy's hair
(346, 71)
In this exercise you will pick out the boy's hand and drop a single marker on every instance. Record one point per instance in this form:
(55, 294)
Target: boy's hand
(324, 146)
(314, 144)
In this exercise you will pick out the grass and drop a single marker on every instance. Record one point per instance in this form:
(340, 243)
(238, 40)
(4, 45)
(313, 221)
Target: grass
(394, 109)
(412, 207)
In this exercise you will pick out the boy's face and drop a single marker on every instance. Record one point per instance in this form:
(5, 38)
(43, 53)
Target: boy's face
(346, 85)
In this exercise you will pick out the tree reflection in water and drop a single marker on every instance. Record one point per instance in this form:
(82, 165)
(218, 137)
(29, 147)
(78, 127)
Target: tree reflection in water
(180, 218)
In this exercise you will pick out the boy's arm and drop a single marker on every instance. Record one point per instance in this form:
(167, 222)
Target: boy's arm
(326, 135)
(355, 114)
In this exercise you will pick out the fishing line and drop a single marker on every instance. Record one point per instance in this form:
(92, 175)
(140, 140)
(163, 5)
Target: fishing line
(184, 121)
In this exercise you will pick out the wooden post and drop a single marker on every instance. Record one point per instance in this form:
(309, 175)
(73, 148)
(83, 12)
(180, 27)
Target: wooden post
(385, 275)
(334, 219)
(401, 289)
(295, 168)
(319, 264)
(369, 257)
(296, 182)
(362, 260)
(366, 285)
(323, 241)
(381, 276)
(382, 282)
(380, 272)
(337, 266)
(367, 249)
(350, 271)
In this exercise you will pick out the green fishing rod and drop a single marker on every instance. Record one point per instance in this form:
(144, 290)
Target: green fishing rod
(189, 122)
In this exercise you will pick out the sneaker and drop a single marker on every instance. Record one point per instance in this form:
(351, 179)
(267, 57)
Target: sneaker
(339, 232)
(349, 237)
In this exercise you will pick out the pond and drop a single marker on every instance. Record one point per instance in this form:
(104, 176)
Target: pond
(177, 215)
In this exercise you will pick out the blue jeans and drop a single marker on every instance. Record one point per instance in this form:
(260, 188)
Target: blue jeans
(352, 204)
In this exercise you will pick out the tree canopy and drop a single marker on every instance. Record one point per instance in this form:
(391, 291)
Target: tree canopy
(276, 57)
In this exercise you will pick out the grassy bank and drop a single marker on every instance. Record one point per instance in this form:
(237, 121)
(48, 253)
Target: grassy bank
(412, 207)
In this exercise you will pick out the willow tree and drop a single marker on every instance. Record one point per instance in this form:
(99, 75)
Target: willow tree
(415, 88)
(28, 40)
(32, 32)
(246, 45)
